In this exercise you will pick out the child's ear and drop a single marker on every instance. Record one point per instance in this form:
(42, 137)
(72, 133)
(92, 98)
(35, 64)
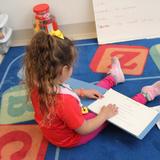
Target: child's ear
(64, 69)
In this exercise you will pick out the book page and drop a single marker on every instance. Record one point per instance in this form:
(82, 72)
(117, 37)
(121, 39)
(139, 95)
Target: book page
(132, 116)
(125, 20)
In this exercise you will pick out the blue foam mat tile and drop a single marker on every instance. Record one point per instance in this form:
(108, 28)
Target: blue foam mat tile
(112, 143)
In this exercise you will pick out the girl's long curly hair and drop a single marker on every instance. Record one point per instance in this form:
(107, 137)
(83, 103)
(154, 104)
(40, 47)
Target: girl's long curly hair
(45, 57)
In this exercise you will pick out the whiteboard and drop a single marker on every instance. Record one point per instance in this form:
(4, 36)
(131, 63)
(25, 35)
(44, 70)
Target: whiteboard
(123, 20)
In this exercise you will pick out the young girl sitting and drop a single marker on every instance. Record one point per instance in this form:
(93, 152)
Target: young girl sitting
(48, 64)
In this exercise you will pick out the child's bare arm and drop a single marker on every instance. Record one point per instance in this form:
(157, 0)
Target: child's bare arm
(92, 124)
(89, 93)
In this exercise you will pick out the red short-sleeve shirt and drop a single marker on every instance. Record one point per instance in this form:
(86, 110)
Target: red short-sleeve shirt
(61, 124)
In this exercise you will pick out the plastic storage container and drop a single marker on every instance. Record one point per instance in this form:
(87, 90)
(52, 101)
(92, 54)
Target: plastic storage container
(5, 42)
(5, 34)
(3, 21)
(43, 19)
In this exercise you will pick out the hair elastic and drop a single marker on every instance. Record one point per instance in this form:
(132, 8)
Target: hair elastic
(57, 33)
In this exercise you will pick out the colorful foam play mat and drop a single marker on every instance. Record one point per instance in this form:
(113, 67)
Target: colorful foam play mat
(20, 137)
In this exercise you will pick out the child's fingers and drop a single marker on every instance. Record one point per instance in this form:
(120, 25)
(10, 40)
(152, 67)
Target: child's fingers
(97, 95)
(93, 94)
(113, 107)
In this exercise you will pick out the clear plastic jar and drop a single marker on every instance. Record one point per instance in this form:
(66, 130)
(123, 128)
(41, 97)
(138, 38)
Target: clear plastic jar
(43, 19)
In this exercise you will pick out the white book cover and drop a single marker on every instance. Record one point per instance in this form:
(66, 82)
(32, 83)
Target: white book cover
(157, 108)
(133, 117)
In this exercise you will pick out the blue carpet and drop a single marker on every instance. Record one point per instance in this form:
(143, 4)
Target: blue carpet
(112, 143)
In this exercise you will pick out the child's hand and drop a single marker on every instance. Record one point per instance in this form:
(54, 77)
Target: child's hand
(91, 93)
(108, 111)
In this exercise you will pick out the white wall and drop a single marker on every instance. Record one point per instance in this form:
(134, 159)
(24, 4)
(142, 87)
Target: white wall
(66, 11)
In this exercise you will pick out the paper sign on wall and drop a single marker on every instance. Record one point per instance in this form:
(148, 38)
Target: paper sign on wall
(124, 20)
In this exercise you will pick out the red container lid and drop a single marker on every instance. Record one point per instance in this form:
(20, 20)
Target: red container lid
(40, 8)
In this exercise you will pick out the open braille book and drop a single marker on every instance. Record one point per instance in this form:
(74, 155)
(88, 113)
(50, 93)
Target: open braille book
(133, 117)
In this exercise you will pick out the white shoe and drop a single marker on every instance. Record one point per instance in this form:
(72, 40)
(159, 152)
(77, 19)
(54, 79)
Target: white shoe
(151, 91)
(116, 71)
